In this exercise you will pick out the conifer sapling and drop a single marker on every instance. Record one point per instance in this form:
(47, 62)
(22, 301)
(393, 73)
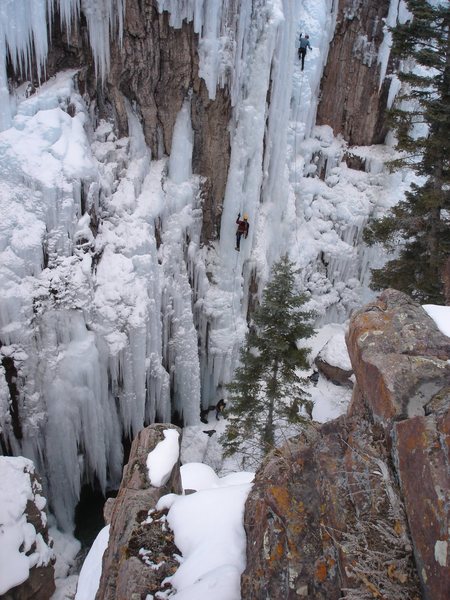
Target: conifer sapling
(419, 226)
(267, 394)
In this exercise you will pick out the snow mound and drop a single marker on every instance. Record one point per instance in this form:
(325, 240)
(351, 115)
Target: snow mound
(91, 570)
(162, 459)
(17, 535)
(440, 315)
(208, 528)
(198, 476)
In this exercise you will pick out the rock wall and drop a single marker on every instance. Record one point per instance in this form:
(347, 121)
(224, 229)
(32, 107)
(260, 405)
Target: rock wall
(339, 512)
(401, 362)
(156, 69)
(124, 571)
(351, 101)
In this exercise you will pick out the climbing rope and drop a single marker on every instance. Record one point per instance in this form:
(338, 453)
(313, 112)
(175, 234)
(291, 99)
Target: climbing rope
(296, 179)
(233, 293)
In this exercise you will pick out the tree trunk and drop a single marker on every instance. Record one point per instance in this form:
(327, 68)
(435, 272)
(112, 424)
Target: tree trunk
(269, 433)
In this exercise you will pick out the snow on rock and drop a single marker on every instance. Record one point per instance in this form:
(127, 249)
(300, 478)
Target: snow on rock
(208, 528)
(335, 352)
(91, 570)
(440, 315)
(330, 401)
(163, 458)
(21, 546)
(198, 476)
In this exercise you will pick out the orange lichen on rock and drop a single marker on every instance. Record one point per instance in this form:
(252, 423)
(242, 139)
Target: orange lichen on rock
(321, 571)
(277, 552)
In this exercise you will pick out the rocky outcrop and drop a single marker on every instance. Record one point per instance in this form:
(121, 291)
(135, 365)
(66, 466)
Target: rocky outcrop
(335, 374)
(352, 102)
(399, 357)
(126, 570)
(333, 361)
(401, 361)
(340, 512)
(325, 519)
(421, 449)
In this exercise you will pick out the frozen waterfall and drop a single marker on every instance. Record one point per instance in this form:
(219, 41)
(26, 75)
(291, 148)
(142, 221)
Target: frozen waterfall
(112, 313)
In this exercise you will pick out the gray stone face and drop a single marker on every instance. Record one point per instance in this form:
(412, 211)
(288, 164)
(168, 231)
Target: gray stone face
(399, 357)
(351, 101)
(401, 362)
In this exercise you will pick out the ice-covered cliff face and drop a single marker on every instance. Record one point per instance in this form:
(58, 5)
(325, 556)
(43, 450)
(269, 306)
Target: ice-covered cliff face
(116, 309)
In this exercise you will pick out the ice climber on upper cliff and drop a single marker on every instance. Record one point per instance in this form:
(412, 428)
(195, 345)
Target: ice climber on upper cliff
(304, 45)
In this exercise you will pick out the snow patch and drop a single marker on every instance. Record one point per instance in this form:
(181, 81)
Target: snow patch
(208, 528)
(162, 459)
(17, 535)
(440, 552)
(91, 570)
(440, 315)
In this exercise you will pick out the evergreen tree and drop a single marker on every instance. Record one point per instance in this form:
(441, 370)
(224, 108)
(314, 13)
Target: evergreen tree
(267, 393)
(420, 224)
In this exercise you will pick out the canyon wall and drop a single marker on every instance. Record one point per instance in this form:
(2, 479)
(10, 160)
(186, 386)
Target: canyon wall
(340, 511)
(156, 68)
(122, 296)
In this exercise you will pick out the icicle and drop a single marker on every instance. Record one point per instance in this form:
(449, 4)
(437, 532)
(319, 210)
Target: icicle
(180, 161)
(23, 31)
(104, 17)
(23, 35)
(222, 27)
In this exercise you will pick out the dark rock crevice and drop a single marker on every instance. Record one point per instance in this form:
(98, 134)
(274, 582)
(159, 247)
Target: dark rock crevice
(11, 380)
